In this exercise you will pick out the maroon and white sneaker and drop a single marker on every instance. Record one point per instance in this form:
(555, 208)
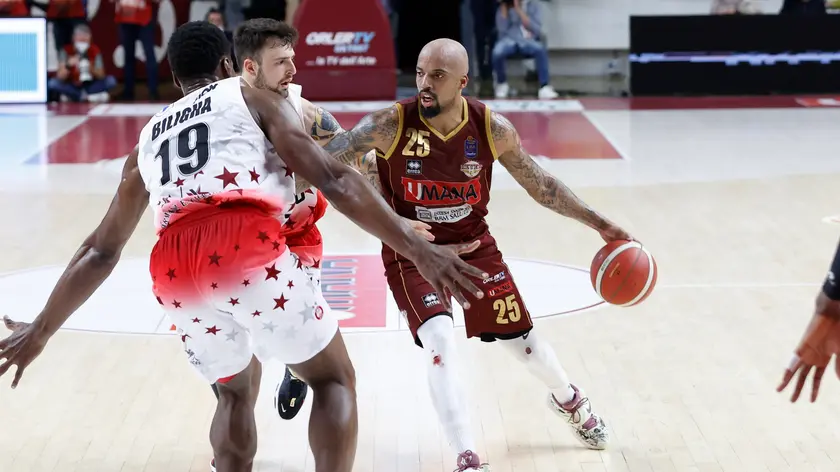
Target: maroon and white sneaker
(588, 427)
(469, 461)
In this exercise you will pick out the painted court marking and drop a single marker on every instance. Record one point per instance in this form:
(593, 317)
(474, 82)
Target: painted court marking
(353, 285)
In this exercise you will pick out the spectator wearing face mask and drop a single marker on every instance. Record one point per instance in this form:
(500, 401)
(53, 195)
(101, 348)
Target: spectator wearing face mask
(81, 71)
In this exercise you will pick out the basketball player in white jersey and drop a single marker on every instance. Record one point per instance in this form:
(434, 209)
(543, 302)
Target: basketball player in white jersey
(210, 165)
(264, 50)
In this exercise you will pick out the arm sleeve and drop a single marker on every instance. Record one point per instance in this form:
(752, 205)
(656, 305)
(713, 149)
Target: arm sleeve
(502, 23)
(533, 12)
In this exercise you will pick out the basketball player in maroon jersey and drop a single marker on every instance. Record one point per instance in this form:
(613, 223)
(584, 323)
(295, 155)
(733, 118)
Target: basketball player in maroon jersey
(435, 155)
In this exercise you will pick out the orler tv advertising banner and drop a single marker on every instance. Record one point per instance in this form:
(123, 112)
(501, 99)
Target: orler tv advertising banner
(345, 51)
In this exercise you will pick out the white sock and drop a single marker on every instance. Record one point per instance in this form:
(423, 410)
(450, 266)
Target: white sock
(448, 396)
(542, 362)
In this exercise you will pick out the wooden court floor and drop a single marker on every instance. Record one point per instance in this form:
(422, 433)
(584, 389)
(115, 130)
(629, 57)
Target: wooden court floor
(685, 381)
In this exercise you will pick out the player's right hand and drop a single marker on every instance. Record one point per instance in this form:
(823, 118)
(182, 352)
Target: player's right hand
(819, 344)
(442, 267)
(21, 347)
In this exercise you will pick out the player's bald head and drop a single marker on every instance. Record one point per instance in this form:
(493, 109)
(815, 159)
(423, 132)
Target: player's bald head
(444, 54)
(442, 69)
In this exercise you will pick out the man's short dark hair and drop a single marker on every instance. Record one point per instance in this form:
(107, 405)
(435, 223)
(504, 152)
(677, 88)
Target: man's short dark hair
(196, 49)
(253, 35)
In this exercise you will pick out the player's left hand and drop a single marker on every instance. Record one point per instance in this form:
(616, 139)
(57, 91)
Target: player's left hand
(614, 233)
(21, 347)
(420, 228)
(819, 344)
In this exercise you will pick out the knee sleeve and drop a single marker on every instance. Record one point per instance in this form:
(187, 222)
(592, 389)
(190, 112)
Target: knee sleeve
(437, 335)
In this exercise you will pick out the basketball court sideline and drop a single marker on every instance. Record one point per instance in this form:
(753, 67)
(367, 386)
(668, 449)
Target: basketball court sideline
(731, 201)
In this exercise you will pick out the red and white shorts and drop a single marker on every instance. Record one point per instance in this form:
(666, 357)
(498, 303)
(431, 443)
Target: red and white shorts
(233, 289)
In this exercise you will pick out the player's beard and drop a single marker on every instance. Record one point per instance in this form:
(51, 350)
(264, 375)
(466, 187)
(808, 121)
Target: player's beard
(432, 111)
(260, 83)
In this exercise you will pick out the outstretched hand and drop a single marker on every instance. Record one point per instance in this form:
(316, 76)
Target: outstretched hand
(21, 347)
(819, 344)
(443, 268)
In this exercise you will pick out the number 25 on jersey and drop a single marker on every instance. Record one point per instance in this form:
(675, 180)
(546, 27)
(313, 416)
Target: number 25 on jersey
(192, 151)
(508, 310)
(418, 143)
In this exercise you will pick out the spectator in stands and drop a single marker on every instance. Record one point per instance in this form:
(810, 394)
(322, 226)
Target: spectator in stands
(519, 32)
(234, 14)
(137, 20)
(733, 7)
(81, 71)
(65, 15)
(216, 17)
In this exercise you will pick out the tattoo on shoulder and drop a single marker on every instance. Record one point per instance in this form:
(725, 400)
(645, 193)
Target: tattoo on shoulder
(324, 126)
(503, 133)
(388, 121)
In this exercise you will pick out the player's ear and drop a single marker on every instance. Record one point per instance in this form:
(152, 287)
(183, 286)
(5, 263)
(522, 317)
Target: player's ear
(175, 81)
(226, 67)
(464, 81)
(249, 66)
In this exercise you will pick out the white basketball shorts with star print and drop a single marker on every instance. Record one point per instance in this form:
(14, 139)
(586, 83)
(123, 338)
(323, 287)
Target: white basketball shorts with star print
(233, 289)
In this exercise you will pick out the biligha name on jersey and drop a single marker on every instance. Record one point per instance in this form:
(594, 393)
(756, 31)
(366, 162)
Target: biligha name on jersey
(181, 116)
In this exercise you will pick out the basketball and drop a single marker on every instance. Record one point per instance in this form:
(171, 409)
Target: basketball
(623, 273)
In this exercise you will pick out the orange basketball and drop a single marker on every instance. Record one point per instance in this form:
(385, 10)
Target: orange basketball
(623, 273)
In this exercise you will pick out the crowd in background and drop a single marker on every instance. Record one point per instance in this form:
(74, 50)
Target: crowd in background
(497, 31)
(502, 30)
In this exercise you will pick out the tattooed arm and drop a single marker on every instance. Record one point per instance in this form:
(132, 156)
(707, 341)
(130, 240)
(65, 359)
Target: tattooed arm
(320, 123)
(356, 147)
(543, 187)
(322, 126)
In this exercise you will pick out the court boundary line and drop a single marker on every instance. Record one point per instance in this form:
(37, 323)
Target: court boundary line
(621, 153)
(390, 329)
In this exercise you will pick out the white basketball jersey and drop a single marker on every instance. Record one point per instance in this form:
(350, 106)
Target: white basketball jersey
(307, 200)
(206, 149)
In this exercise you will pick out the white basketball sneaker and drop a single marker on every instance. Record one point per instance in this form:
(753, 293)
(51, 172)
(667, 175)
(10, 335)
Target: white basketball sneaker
(468, 461)
(588, 427)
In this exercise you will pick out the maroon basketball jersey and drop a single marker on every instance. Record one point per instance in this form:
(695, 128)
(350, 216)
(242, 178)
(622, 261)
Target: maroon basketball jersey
(441, 180)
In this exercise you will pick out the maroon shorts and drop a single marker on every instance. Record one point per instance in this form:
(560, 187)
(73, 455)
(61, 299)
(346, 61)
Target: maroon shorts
(501, 314)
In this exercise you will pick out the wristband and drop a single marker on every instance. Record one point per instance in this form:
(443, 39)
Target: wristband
(831, 287)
